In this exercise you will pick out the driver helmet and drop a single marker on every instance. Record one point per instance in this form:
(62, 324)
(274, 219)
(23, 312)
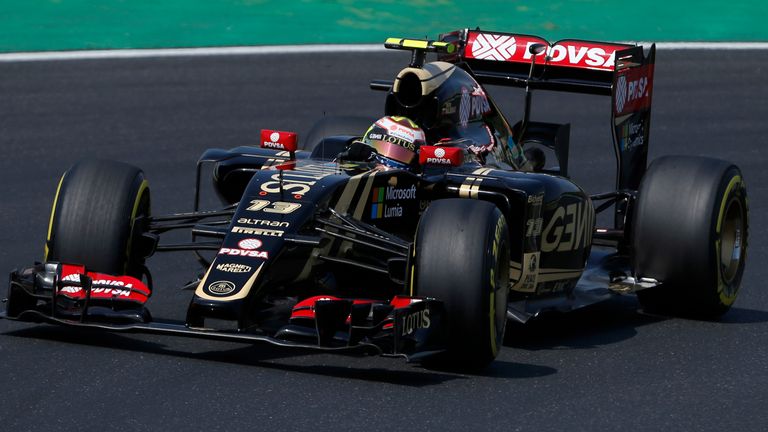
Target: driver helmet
(396, 141)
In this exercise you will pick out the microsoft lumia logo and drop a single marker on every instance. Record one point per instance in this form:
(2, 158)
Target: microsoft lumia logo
(377, 202)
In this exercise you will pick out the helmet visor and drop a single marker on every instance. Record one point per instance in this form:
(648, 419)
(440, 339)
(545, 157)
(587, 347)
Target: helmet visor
(393, 151)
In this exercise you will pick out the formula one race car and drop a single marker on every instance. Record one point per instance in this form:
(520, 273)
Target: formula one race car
(419, 238)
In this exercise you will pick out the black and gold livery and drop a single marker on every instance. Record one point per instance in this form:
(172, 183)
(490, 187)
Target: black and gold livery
(316, 248)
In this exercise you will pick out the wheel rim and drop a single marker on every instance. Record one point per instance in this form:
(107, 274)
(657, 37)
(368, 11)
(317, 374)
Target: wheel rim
(732, 241)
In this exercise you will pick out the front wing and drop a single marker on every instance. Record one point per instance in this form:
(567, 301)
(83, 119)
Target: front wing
(336, 325)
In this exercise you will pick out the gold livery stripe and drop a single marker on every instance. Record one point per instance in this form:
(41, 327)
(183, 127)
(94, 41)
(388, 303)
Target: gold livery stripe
(342, 206)
(199, 290)
(243, 293)
(364, 197)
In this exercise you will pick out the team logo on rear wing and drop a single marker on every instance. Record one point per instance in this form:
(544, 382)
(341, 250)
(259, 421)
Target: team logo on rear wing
(568, 52)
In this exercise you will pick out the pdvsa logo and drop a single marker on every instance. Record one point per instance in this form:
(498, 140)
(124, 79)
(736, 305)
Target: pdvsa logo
(493, 47)
(249, 244)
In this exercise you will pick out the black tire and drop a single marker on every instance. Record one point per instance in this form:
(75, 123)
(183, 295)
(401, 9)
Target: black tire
(335, 126)
(462, 258)
(690, 233)
(93, 217)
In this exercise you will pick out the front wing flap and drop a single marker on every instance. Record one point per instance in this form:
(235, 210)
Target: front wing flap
(409, 327)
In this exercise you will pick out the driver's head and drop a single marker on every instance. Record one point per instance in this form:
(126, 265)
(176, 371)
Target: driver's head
(396, 141)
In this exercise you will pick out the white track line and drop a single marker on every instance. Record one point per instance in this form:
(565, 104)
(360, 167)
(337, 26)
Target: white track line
(299, 49)
(186, 52)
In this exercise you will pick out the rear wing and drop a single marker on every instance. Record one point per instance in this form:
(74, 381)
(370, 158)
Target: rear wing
(621, 71)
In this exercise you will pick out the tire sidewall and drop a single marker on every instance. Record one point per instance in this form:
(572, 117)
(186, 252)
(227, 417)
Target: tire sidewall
(472, 284)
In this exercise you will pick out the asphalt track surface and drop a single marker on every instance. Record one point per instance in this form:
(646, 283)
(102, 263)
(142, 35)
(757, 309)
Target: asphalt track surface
(602, 368)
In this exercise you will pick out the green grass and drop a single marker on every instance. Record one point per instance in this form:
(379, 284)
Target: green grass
(35, 25)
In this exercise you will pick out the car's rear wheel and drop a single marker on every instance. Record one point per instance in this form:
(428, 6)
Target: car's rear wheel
(462, 259)
(93, 220)
(690, 233)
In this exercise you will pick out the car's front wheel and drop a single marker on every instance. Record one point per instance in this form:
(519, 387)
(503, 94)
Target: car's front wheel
(462, 259)
(93, 220)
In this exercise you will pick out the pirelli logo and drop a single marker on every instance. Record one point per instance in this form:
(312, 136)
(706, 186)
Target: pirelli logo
(258, 231)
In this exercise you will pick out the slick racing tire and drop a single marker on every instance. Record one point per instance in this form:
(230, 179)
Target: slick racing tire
(93, 220)
(690, 233)
(335, 126)
(462, 259)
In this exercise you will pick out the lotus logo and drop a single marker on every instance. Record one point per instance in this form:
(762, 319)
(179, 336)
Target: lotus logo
(221, 287)
(274, 137)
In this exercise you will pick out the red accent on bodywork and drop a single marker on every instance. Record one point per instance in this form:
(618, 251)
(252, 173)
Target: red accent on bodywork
(403, 301)
(279, 140)
(305, 309)
(566, 53)
(637, 86)
(104, 286)
(438, 155)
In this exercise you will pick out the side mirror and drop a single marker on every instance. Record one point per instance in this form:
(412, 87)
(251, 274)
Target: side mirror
(278, 140)
(537, 48)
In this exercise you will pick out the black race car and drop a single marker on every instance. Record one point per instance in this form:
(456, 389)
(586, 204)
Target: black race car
(321, 246)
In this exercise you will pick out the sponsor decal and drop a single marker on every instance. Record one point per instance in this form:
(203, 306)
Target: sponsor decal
(221, 287)
(441, 155)
(297, 181)
(249, 244)
(621, 93)
(279, 207)
(631, 135)
(529, 277)
(629, 91)
(473, 105)
(244, 253)
(493, 47)
(233, 268)
(570, 54)
(263, 222)
(514, 48)
(414, 321)
(632, 90)
(400, 142)
(396, 130)
(570, 228)
(258, 231)
(533, 227)
(464, 107)
(381, 209)
(76, 278)
(116, 292)
(393, 193)
(278, 140)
